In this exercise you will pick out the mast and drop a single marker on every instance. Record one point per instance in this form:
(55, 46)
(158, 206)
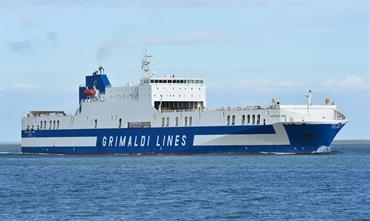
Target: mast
(145, 63)
(309, 100)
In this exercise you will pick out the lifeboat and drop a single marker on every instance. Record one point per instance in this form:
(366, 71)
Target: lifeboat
(89, 92)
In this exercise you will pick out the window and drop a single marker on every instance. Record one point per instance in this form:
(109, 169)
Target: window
(95, 123)
(57, 124)
(233, 120)
(249, 119)
(168, 122)
(186, 121)
(50, 125)
(177, 121)
(41, 125)
(258, 119)
(228, 120)
(162, 121)
(243, 119)
(120, 123)
(54, 125)
(190, 121)
(254, 119)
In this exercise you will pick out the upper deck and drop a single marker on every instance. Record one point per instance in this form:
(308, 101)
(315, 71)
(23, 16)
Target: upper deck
(168, 92)
(45, 113)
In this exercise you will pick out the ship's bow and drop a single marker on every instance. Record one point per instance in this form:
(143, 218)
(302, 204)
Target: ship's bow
(312, 137)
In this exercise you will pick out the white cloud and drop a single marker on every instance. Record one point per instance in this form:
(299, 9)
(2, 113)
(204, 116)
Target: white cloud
(21, 46)
(19, 87)
(52, 37)
(49, 90)
(30, 21)
(260, 84)
(31, 44)
(348, 82)
(184, 39)
(267, 82)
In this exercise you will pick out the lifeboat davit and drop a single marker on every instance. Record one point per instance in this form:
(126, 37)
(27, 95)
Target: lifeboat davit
(89, 92)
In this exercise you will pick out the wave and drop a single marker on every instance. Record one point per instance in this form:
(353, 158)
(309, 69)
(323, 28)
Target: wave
(10, 153)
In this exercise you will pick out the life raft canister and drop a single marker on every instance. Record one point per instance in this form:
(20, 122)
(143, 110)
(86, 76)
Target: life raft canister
(89, 92)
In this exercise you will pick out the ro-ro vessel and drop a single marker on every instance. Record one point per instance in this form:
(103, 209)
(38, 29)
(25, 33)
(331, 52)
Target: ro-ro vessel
(169, 115)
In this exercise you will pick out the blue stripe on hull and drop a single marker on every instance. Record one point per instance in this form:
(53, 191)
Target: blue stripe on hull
(214, 130)
(302, 138)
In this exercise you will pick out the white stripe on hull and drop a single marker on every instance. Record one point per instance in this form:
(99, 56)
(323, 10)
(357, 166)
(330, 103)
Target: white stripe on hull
(280, 138)
(59, 142)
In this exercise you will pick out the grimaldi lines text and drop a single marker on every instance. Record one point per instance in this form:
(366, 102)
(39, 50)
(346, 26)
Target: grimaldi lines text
(144, 141)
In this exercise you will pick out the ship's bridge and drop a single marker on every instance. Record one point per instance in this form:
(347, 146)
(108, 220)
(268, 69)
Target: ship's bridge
(173, 93)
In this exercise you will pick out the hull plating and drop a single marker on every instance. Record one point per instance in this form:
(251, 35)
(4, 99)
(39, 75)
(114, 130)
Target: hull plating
(278, 138)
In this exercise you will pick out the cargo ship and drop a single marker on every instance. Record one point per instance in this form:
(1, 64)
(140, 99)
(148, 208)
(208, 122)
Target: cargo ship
(168, 114)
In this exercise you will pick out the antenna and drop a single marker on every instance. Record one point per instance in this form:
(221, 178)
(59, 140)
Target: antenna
(309, 100)
(145, 63)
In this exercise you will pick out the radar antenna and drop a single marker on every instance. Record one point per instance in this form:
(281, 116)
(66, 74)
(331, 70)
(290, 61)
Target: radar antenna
(145, 63)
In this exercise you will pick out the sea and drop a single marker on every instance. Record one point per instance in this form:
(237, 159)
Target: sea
(333, 186)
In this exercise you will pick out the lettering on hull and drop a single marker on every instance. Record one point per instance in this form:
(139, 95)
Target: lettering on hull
(144, 141)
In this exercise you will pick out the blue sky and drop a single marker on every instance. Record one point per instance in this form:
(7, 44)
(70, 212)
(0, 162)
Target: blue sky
(248, 51)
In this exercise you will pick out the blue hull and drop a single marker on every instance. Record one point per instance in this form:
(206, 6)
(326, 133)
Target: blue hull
(181, 140)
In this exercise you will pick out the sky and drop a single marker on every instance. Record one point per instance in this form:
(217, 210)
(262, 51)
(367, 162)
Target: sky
(248, 52)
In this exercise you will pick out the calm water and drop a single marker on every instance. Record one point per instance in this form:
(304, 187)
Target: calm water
(332, 186)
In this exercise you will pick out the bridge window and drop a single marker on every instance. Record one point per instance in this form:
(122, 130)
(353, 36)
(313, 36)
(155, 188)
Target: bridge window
(243, 119)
